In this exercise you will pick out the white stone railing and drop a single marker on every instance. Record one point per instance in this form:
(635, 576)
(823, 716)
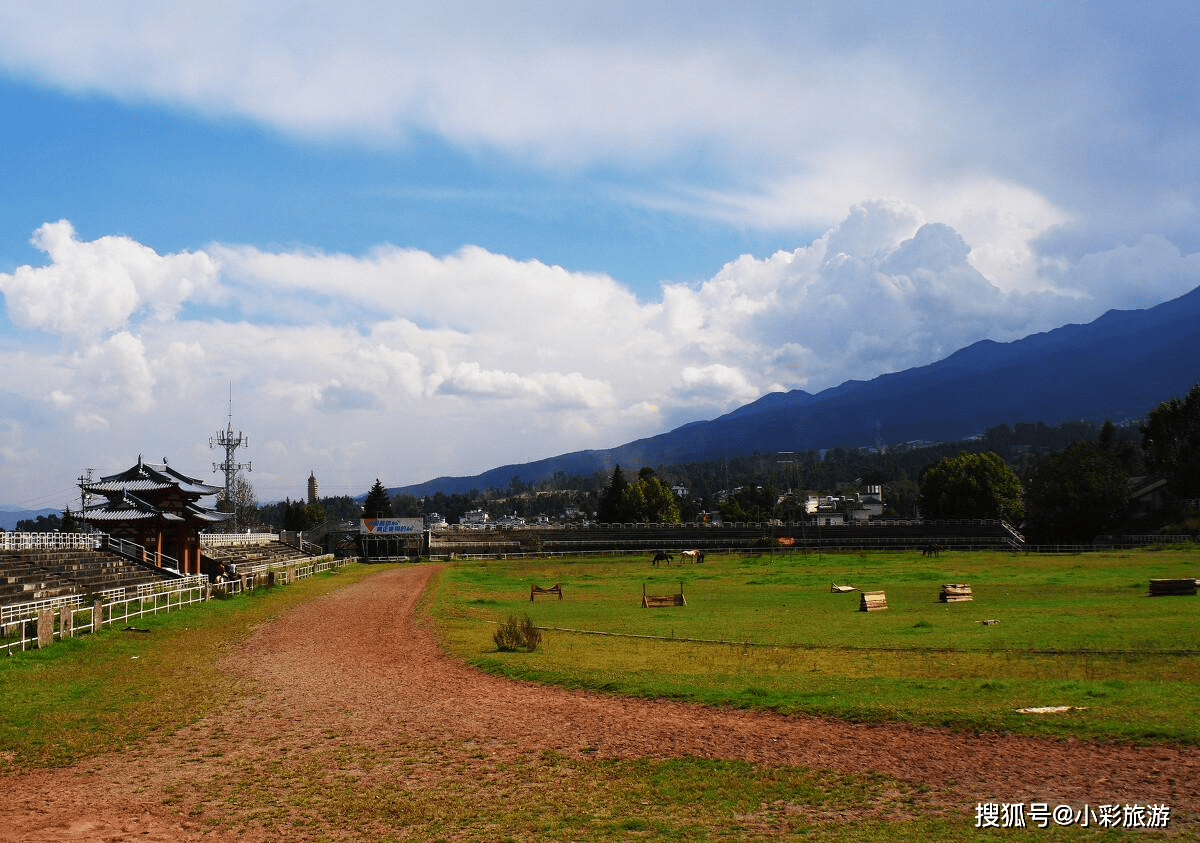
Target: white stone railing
(54, 541)
(237, 539)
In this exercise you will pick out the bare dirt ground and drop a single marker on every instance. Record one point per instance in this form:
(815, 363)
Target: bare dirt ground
(361, 667)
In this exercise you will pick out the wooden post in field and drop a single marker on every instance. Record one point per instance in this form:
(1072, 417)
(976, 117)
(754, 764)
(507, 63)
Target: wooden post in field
(45, 628)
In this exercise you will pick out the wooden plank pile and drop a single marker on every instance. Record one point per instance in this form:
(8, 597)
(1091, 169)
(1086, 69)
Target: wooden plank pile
(872, 601)
(653, 601)
(956, 592)
(1165, 587)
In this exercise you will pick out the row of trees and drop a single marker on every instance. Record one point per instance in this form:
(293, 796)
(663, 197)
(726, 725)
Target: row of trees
(1062, 484)
(1087, 488)
(646, 500)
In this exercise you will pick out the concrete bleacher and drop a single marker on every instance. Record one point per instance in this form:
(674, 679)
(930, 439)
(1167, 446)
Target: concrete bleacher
(43, 573)
(22, 581)
(251, 557)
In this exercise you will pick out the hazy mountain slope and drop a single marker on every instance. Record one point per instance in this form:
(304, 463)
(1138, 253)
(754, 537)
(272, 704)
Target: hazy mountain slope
(1117, 367)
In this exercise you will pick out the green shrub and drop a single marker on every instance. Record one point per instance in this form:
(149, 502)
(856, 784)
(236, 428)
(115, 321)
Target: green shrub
(516, 634)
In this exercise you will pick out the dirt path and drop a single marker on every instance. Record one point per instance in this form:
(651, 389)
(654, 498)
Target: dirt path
(360, 667)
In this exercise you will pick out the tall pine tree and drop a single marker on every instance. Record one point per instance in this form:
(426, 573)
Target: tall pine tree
(377, 504)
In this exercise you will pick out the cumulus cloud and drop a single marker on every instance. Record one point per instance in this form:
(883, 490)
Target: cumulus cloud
(116, 372)
(94, 287)
(474, 359)
(1137, 274)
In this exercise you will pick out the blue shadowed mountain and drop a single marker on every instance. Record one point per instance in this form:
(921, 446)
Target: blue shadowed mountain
(1116, 368)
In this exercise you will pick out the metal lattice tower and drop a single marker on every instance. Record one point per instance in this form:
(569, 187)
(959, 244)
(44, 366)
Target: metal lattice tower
(84, 497)
(230, 441)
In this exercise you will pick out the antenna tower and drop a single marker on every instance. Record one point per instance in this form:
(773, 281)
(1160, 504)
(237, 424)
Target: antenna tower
(84, 497)
(230, 441)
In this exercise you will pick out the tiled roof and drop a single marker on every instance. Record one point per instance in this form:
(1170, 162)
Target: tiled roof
(125, 507)
(145, 477)
(199, 513)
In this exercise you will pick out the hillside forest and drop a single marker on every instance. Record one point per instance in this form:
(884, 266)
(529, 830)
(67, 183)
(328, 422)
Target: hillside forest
(1074, 481)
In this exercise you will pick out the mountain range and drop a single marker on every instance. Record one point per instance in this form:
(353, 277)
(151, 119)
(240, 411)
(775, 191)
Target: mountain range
(10, 515)
(1118, 368)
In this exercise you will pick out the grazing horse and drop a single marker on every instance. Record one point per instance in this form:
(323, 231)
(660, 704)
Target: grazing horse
(692, 556)
(931, 550)
(661, 556)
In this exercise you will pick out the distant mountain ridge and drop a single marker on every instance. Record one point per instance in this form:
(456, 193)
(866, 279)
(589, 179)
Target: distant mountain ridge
(10, 515)
(1117, 367)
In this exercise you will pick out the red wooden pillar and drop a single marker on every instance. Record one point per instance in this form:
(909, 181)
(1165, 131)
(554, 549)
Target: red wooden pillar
(183, 550)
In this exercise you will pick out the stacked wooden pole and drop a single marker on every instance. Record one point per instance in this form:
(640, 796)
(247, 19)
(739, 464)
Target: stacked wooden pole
(872, 601)
(1164, 587)
(956, 592)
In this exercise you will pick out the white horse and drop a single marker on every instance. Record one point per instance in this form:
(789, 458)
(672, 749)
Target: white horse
(692, 556)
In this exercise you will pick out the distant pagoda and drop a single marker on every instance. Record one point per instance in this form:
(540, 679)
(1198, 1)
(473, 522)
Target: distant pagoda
(156, 507)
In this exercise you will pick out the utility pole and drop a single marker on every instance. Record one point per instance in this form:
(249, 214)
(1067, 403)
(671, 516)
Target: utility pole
(789, 458)
(230, 441)
(84, 480)
(800, 510)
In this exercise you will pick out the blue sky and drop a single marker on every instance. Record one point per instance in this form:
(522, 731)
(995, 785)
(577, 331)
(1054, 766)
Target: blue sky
(425, 241)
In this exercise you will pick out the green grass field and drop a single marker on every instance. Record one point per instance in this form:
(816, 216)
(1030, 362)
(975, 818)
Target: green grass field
(95, 693)
(1078, 630)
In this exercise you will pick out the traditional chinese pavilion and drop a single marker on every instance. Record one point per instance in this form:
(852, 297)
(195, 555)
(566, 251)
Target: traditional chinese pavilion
(156, 507)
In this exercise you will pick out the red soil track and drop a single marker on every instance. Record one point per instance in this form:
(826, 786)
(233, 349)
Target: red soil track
(360, 665)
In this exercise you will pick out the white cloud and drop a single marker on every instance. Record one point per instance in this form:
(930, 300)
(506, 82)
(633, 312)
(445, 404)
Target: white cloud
(94, 287)
(116, 372)
(1134, 275)
(422, 366)
(90, 422)
(721, 382)
(791, 115)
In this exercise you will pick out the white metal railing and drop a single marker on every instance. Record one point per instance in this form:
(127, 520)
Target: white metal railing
(320, 563)
(251, 576)
(133, 550)
(237, 539)
(27, 611)
(164, 586)
(50, 541)
(18, 624)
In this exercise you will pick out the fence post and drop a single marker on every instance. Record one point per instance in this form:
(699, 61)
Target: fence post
(97, 615)
(45, 628)
(66, 623)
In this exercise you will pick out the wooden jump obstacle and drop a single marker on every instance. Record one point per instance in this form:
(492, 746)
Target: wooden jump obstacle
(956, 592)
(652, 601)
(1163, 588)
(537, 589)
(872, 601)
